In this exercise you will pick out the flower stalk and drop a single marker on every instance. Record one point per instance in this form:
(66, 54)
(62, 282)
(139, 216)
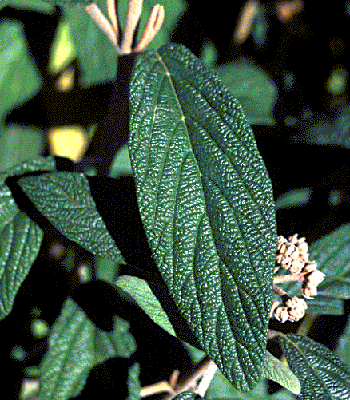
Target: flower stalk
(110, 26)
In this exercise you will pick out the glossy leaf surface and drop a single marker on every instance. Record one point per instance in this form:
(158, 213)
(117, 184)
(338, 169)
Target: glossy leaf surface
(70, 356)
(207, 207)
(64, 198)
(322, 375)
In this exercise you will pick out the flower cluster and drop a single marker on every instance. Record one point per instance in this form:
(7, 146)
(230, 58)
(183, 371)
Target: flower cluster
(292, 310)
(292, 255)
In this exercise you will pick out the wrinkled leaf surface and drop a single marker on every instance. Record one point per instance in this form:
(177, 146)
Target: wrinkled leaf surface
(207, 207)
(322, 375)
(64, 198)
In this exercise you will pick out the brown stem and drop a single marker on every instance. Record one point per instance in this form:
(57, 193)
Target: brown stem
(278, 290)
(289, 278)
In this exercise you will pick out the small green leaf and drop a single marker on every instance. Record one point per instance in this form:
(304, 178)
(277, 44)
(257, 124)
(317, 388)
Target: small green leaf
(20, 242)
(64, 198)
(69, 359)
(18, 144)
(36, 5)
(252, 88)
(278, 372)
(19, 79)
(206, 203)
(118, 343)
(144, 297)
(322, 375)
(188, 396)
(134, 384)
(332, 255)
(95, 53)
(293, 198)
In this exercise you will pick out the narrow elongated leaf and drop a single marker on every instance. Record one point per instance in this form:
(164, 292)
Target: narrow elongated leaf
(343, 348)
(134, 384)
(64, 198)
(70, 356)
(332, 254)
(207, 207)
(20, 242)
(322, 375)
(144, 297)
(278, 372)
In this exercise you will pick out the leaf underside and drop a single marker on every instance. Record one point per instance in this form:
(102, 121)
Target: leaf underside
(206, 204)
(322, 375)
(65, 199)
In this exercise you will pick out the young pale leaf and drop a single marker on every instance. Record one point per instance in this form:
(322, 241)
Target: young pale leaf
(332, 254)
(278, 372)
(70, 356)
(20, 242)
(144, 297)
(118, 343)
(322, 375)
(64, 198)
(206, 203)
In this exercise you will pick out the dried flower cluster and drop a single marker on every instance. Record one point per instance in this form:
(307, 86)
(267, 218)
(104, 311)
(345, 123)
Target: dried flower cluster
(292, 255)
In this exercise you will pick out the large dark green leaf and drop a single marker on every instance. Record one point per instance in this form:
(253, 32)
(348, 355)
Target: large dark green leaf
(332, 254)
(206, 203)
(322, 375)
(20, 242)
(70, 356)
(19, 79)
(20, 237)
(64, 198)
